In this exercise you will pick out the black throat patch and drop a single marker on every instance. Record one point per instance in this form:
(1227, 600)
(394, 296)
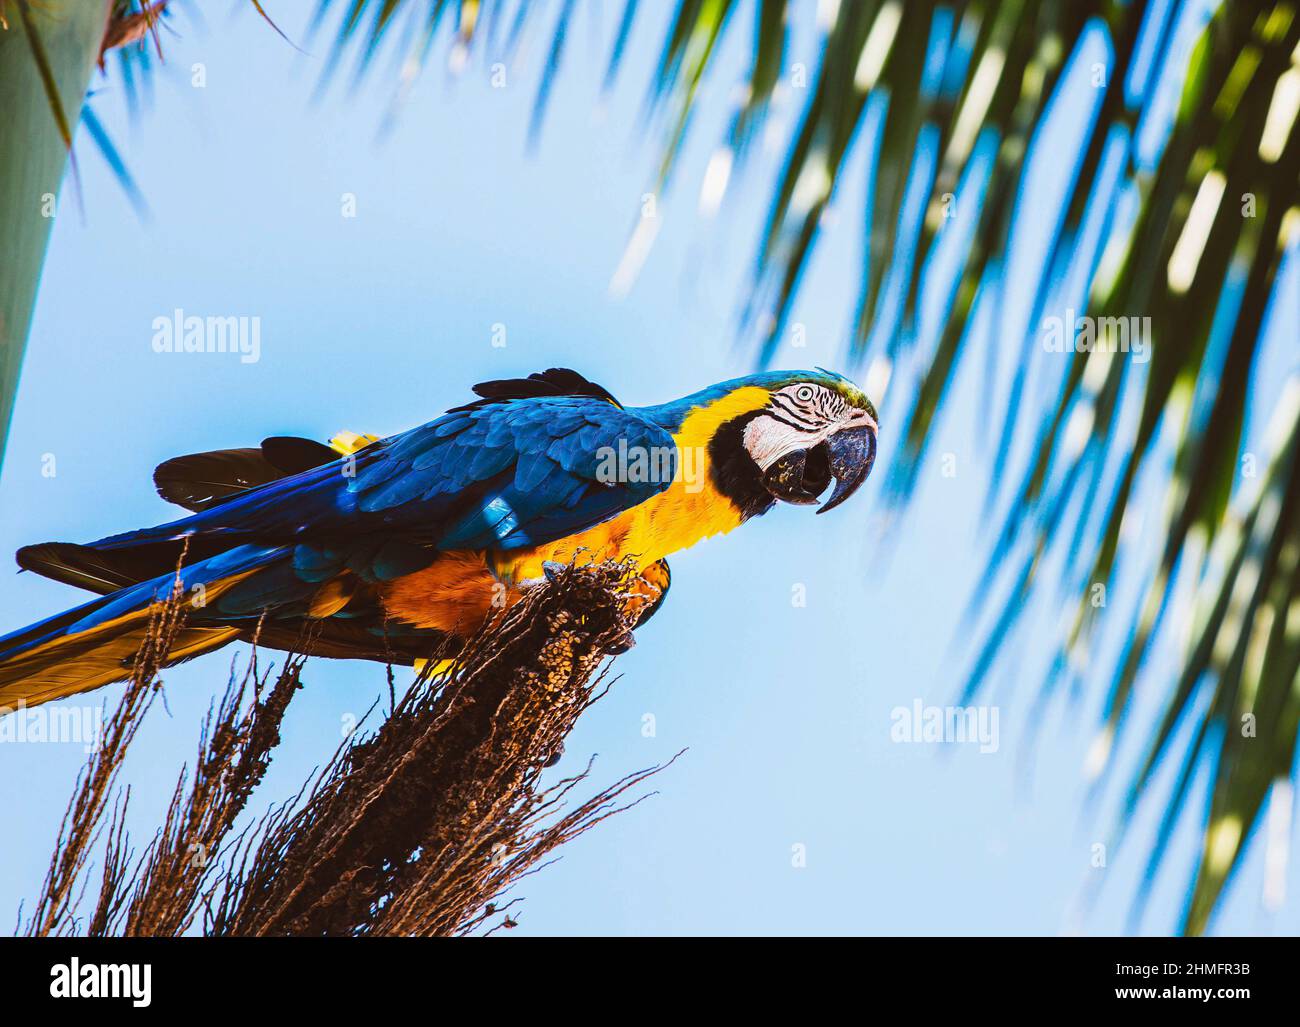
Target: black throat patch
(734, 472)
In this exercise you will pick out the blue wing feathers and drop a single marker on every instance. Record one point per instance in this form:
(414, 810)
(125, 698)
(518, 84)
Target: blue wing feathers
(506, 475)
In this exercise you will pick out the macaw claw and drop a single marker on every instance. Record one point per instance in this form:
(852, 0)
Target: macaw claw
(621, 644)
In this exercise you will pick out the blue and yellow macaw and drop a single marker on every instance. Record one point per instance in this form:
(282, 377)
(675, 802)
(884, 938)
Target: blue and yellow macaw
(406, 545)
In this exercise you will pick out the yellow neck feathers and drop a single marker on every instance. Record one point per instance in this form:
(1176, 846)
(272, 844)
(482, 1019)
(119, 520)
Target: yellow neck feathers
(689, 510)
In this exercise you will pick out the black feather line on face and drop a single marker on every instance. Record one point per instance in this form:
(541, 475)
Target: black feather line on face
(733, 471)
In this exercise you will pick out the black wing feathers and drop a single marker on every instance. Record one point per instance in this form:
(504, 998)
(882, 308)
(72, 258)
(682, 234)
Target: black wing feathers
(200, 480)
(555, 381)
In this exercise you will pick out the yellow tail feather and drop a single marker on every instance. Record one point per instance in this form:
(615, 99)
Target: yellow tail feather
(77, 663)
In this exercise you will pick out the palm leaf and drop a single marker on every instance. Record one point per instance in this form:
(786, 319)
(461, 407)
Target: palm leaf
(46, 56)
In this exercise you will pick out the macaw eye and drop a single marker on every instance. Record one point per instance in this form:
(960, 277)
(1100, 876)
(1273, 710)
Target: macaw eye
(804, 393)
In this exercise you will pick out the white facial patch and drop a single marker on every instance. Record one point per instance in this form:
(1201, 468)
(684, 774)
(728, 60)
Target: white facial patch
(800, 417)
(767, 439)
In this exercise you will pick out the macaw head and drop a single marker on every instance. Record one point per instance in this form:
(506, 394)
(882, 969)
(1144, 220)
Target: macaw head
(782, 435)
(816, 427)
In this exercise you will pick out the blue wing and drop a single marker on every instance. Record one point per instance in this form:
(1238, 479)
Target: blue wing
(502, 475)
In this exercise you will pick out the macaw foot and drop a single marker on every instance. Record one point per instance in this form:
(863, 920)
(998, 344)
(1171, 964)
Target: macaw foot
(625, 641)
(621, 644)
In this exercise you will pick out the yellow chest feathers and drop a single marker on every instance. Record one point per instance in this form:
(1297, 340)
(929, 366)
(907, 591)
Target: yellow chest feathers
(689, 510)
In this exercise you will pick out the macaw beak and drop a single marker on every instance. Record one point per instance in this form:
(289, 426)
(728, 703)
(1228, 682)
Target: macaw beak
(852, 452)
(800, 477)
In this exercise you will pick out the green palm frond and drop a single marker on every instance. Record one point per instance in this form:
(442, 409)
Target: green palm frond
(47, 52)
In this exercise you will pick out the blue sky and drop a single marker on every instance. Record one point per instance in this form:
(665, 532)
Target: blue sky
(380, 322)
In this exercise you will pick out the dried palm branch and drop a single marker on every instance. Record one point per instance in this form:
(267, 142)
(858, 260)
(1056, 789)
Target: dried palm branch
(416, 829)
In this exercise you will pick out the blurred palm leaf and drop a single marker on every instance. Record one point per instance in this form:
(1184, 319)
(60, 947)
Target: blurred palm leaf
(47, 51)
